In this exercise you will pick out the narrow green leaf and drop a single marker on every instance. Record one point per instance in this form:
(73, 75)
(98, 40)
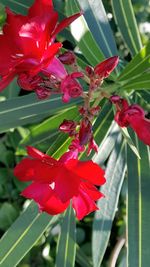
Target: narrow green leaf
(139, 83)
(107, 144)
(130, 142)
(18, 6)
(81, 258)
(83, 36)
(115, 172)
(66, 244)
(27, 109)
(96, 18)
(138, 207)
(23, 234)
(11, 91)
(139, 64)
(125, 19)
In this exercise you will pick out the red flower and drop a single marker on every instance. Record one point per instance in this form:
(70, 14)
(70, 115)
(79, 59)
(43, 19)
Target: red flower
(27, 43)
(56, 182)
(133, 116)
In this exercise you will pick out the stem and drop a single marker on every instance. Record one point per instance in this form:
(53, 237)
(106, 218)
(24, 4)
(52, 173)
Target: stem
(116, 251)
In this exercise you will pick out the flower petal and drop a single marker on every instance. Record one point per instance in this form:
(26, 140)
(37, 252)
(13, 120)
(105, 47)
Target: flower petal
(83, 205)
(54, 205)
(39, 192)
(91, 190)
(66, 184)
(87, 170)
(35, 170)
(142, 128)
(40, 7)
(65, 23)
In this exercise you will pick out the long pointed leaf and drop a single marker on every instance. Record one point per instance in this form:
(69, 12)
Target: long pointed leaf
(23, 234)
(138, 207)
(125, 18)
(115, 172)
(66, 243)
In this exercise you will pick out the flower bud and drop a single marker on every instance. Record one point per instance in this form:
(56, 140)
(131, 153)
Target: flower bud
(71, 88)
(68, 126)
(68, 58)
(104, 68)
(27, 82)
(42, 93)
(85, 132)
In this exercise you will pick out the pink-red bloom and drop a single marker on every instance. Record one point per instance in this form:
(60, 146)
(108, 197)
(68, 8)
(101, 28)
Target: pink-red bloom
(27, 42)
(56, 182)
(133, 116)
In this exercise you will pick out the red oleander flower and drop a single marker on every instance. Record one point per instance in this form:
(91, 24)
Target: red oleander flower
(133, 116)
(57, 182)
(27, 42)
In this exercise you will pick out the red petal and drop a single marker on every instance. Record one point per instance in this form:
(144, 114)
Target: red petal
(54, 205)
(40, 7)
(87, 170)
(91, 190)
(34, 153)
(142, 128)
(65, 23)
(83, 205)
(39, 192)
(35, 170)
(67, 184)
(5, 81)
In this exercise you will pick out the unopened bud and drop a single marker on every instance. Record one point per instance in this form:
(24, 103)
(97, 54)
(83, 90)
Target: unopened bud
(27, 82)
(104, 68)
(89, 71)
(68, 126)
(68, 58)
(42, 93)
(85, 132)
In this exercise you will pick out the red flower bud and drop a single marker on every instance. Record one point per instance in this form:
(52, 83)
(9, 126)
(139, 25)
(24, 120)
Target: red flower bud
(85, 132)
(68, 58)
(42, 93)
(71, 88)
(68, 126)
(104, 68)
(89, 71)
(27, 82)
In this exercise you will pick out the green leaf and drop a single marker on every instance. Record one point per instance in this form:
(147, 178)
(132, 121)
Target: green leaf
(7, 215)
(84, 37)
(139, 83)
(125, 19)
(66, 243)
(23, 234)
(12, 90)
(82, 258)
(139, 64)
(107, 144)
(130, 142)
(138, 207)
(115, 172)
(18, 6)
(27, 109)
(96, 18)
